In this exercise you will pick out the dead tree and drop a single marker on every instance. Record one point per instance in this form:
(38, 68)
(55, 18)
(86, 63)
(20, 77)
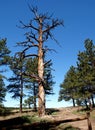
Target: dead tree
(40, 30)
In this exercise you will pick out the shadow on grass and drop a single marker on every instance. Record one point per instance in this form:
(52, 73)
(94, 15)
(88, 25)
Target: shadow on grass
(14, 121)
(70, 128)
(23, 123)
(4, 111)
(50, 111)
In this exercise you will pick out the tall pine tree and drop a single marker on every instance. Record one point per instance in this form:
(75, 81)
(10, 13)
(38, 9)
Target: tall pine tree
(4, 60)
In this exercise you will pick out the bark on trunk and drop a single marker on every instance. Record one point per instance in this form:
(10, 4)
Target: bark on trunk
(92, 100)
(41, 93)
(90, 104)
(88, 121)
(20, 104)
(73, 102)
(41, 102)
(86, 104)
(34, 94)
(29, 106)
(21, 93)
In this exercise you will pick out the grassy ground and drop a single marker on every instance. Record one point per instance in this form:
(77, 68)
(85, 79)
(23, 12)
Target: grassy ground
(30, 120)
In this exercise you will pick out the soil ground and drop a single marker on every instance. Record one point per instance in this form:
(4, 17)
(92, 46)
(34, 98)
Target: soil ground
(70, 113)
(62, 114)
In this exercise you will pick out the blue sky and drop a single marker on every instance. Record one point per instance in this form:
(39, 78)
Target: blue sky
(79, 24)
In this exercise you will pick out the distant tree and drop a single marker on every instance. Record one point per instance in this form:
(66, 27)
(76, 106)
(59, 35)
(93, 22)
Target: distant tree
(86, 67)
(39, 31)
(48, 77)
(32, 87)
(68, 88)
(29, 101)
(79, 82)
(2, 90)
(4, 53)
(4, 60)
(17, 81)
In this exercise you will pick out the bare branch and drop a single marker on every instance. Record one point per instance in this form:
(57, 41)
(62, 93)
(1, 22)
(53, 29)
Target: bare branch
(30, 36)
(47, 62)
(34, 10)
(44, 16)
(53, 38)
(52, 50)
(29, 40)
(28, 26)
(31, 55)
(38, 17)
(37, 78)
(54, 24)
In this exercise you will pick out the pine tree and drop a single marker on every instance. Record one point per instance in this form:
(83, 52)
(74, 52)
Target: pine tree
(29, 101)
(4, 60)
(32, 86)
(16, 86)
(2, 90)
(86, 69)
(68, 88)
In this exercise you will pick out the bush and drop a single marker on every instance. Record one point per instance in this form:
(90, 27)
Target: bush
(4, 111)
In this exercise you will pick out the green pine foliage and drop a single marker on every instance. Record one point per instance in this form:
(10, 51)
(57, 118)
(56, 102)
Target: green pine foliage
(2, 91)
(4, 60)
(69, 86)
(79, 82)
(32, 87)
(4, 52)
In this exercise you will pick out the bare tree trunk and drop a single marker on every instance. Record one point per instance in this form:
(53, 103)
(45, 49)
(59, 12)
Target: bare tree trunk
(92, 100)
(90, 104)
(86, 104)
(34, 94)
(21, 94)
(41, 101)
(73, 102)
(88, 121)
(41, 93)
(29, 106)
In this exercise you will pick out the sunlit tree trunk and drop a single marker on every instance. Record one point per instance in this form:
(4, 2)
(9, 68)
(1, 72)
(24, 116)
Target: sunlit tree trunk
(90, 104)
(41, 94)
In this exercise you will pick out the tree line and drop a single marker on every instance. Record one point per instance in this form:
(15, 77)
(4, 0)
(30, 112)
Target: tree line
(79, 82)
